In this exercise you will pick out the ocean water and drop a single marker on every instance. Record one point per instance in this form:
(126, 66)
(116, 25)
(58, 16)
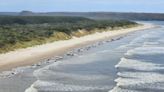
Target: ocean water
(134, 64)
(130, 63)
(141, 69)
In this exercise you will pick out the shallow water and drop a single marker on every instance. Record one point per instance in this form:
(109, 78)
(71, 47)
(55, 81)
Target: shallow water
(130, 64)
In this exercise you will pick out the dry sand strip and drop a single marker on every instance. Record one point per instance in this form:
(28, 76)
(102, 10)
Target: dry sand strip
(31, 55)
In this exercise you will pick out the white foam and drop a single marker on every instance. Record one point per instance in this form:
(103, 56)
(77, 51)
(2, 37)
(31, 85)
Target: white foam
(139, 78)
(138, 65)
(54, 86)
(149, 44)
(140, 73)
(31, 89)
(41, 71)
(146, 51)
(146, 37)
(117, 89)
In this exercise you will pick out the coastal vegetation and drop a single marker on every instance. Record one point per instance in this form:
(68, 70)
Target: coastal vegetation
(26, 31)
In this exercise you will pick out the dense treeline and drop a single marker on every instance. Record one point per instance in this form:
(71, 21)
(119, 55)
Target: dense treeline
(4, 20)
(25, 31)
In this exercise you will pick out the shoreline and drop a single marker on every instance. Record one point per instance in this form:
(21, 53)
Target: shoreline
(32, 55)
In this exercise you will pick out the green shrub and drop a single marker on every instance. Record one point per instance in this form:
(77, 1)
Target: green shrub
(24, 31)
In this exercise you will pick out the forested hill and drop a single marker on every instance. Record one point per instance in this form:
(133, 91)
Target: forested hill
(94, 15)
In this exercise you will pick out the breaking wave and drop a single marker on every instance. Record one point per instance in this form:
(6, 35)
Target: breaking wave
(142, 67)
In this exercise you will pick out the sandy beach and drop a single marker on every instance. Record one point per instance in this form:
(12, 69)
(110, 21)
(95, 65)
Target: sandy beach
(31, 55)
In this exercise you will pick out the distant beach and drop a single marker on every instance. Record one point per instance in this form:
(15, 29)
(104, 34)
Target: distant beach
(32, 55)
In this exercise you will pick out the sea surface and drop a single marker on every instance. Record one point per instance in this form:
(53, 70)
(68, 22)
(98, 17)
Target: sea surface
(130, 63)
